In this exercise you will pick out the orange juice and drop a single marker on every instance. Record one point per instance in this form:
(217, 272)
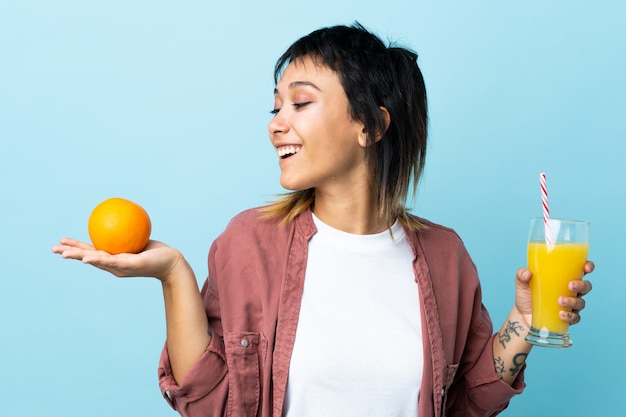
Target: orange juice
(553, 268)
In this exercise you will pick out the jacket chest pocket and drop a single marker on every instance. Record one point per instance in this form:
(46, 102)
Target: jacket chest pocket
(243, 352)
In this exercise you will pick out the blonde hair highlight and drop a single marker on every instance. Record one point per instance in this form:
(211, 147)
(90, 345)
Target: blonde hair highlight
(291, 205)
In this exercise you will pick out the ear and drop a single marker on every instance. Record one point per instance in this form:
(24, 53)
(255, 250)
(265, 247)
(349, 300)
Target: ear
(386, 120)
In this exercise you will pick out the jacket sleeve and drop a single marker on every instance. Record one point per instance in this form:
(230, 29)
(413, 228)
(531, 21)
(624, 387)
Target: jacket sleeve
(204, 390)
(480, 391)
(473, 386)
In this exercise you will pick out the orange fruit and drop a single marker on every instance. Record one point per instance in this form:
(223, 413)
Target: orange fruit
(118, 225)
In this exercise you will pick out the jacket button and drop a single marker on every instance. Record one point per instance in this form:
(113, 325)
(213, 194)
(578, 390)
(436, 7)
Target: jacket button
(244, 342)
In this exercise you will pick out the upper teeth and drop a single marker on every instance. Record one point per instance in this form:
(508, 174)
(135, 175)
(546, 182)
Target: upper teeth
(287, 150)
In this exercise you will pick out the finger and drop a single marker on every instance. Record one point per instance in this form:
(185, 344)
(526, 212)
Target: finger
(572, 317)
(75, 243)
(75, 250)
(581, 287)
(58, 249)
(70, 243)
(589, 267)
(69, 252)
(573, 303)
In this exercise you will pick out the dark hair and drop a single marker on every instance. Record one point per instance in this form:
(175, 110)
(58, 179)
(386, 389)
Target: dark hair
(373, 75)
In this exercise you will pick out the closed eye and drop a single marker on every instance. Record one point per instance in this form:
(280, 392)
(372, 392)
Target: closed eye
(297, 106)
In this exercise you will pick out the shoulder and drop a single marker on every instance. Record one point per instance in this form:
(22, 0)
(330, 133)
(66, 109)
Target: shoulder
(251, 241)
(255, 226)
(252, 217)
(252, 221)
(436, 234)
(444, 252)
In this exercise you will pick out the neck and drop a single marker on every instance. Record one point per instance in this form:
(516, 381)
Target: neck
(353, 212)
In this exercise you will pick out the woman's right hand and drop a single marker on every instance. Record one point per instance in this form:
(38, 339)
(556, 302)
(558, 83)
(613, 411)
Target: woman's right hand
(188, 333)
(156, 260)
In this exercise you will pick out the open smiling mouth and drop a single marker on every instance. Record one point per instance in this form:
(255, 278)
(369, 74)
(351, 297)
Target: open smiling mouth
(287, 151)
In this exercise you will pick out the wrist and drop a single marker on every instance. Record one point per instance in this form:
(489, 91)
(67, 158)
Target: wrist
(179, 271)
(522, 318)
(514, 330)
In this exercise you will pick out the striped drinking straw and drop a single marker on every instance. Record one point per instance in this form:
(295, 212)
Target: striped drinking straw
(546, 210)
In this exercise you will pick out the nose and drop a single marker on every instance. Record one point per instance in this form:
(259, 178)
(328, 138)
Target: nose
(278, 125)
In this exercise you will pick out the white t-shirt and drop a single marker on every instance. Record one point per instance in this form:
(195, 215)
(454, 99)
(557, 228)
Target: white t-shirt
(358, 348)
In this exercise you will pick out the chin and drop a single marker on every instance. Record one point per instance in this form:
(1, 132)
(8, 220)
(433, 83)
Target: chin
(289, 185)
(291, 188)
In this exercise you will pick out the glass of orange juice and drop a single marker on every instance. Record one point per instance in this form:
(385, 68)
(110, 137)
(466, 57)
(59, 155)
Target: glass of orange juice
(556, 255)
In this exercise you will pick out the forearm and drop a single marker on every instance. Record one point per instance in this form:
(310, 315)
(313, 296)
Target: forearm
(509, 347)
(186, 321)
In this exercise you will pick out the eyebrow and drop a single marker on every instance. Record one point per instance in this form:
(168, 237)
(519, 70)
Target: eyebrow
(297, 84)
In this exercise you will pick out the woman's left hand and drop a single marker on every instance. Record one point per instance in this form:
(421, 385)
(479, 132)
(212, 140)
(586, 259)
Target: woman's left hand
(576, 304)
(571, 305)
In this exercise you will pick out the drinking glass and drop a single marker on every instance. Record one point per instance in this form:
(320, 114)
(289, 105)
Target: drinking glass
(557, 253)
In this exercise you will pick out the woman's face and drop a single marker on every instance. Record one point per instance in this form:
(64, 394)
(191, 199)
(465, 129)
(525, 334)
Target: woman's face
(318, 143)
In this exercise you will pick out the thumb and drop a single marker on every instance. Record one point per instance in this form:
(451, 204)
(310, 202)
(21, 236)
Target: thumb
(523, 277)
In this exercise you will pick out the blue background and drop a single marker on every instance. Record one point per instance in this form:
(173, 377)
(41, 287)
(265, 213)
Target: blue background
(166, 103)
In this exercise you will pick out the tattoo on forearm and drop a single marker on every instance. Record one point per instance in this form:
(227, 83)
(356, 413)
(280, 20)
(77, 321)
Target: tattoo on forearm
(518, 362)
(499, 363)
(512, 327)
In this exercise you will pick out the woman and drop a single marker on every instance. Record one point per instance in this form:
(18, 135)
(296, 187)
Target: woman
(335, 300)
